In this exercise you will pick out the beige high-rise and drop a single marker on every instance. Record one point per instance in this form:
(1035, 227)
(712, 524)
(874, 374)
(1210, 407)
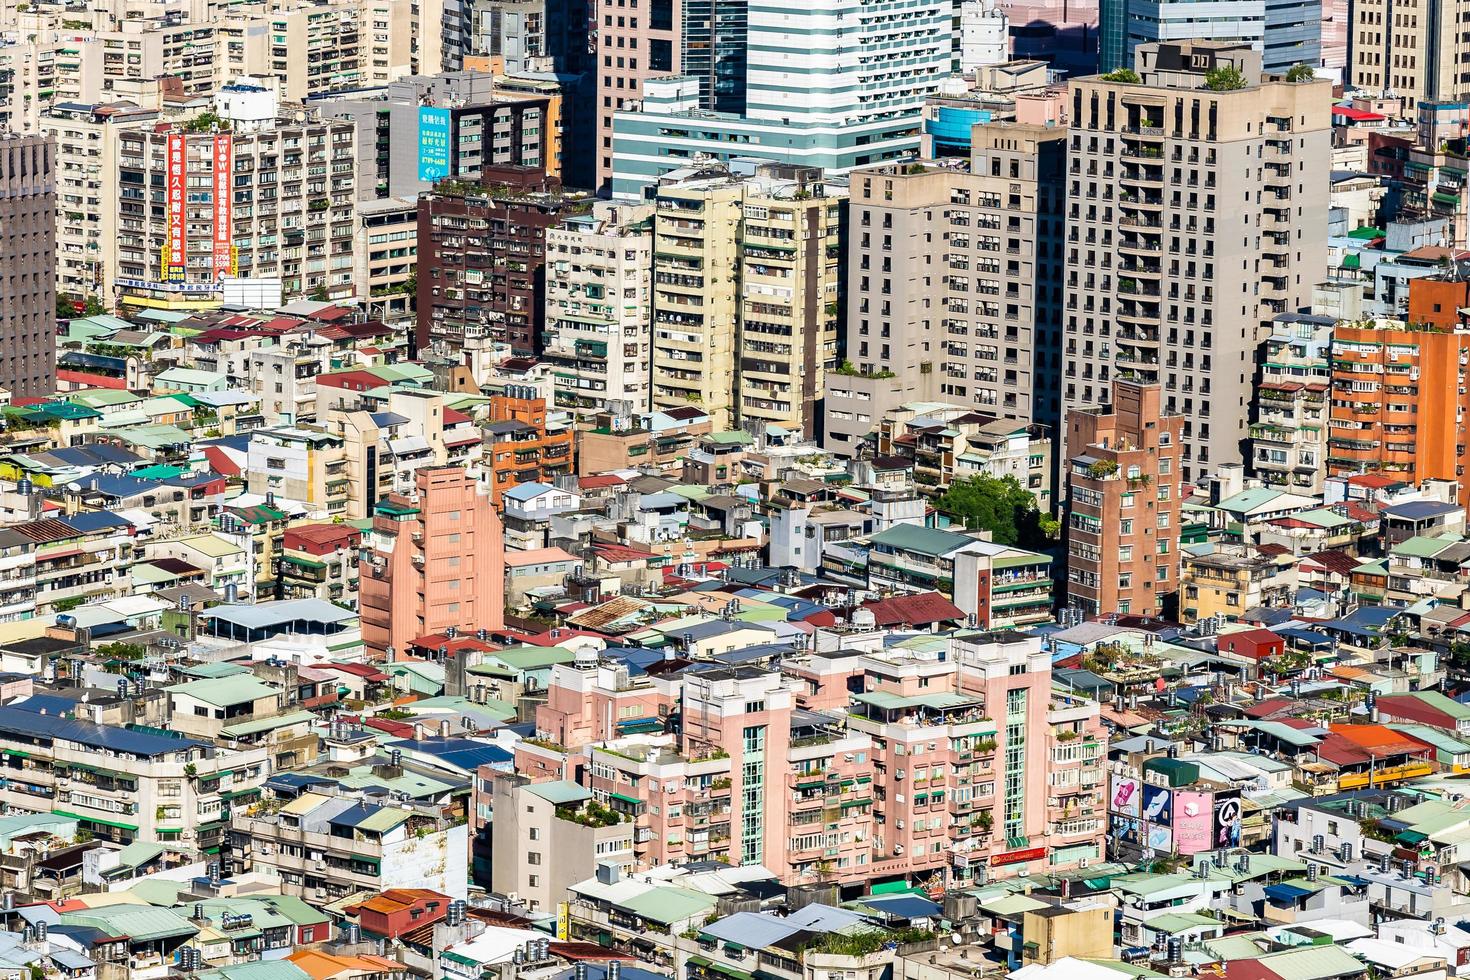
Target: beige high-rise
(1194, 218)
(1414, 50)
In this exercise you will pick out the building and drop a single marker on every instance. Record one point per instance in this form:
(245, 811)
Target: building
(1123, 513)
(1378, 60)
(780, 232)
(560, 832)
(437, 562)
(947, 443)
(28, 296)
(1227, 579)
(854, 100)
(385, 257)
(287, 218)
(1062, 33)
(477, 126)
(307, 465)
(599, 308)
(524, 442)
(1289, 411)
(1398, 401)
(481, 261)
(1285, 32)
(982, 329)
(1158, 282)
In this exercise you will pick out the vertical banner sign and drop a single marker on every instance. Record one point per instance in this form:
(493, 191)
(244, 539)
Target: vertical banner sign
(177, 191)
(433, 144)
(224, 208)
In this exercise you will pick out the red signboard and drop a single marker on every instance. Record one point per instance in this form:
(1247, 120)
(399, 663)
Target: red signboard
(1016, 857)
(178, 240)
(224, 212)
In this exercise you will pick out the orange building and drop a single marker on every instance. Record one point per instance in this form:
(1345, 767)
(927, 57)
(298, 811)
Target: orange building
(438, 561)
(1398, 402)
(1436, 301)
(522, 447)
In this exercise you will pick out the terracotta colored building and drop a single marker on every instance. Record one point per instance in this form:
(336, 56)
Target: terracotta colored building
(522, 446)
(398, 910)
(438, 560)
(1397, 401)
(1123, 503)
(1436, 301)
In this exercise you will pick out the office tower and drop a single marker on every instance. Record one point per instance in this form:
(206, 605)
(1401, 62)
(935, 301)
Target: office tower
(1112, 36)
(482, 261)
(714, 51)
(599, 303)
(437, 561)
(629, 50)
(1190, 227)
(818, 93)
(1415, 51)
(1123, 503)
(28, 255)
(1398, 401)
(1337, 24)
(1285, 32)
(746, 296)
(1063, 33)
(954, 285)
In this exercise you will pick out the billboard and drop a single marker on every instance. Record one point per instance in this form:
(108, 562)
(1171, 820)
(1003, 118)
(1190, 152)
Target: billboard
(1194, 818)
(177, 182)
(1125, 795)
(433, 144)
(1159, 838)
(1124, 829)
(1227, 820)
(224, 207)
(1158, 805)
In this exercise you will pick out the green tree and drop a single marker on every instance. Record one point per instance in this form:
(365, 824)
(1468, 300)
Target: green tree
(1001, 506)
(1122, 75)
(1300, 73)
(1224, 78)
(319, 294)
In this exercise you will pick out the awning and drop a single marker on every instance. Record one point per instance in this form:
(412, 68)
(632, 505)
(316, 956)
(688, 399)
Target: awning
(1411, 837)
(1286, 893)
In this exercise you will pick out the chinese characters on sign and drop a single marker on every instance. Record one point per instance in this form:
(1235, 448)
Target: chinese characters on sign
(177, 183)
(224, 217)
(433, 144)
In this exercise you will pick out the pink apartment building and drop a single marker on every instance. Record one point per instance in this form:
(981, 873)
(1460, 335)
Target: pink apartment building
(592, 702)
(438, 561)
(634, 43)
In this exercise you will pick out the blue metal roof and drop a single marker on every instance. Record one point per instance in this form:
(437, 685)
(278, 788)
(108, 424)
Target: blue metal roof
(903, 906)
(462, 753)
(1285, 893)
(88, 521)
(31, 725)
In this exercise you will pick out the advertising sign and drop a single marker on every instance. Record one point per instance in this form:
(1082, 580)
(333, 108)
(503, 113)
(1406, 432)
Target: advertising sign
(176, 184)
(224, 206)
(1194, 818)
(1157, 805)
(1125, 795)
(1016, 857)
(433, 143)
(1160, 839)
(1227, 820)
(1123, 829)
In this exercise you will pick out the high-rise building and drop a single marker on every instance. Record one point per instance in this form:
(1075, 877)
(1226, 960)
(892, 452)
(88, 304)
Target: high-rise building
(482, 260)
(818, 93)
(437, 562)
(599, 301)
(746, 295)
(1285, 32)
(1063, 33)
(28, 255)
(630, 50)
(954, 285)
(714, 41)
(1416, 52)
(1189, 229)
(1123, 503)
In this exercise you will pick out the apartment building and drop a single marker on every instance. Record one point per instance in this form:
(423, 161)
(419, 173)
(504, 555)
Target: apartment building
(384, 256)
(437, 561)
(599, 300)
(86, 160)
(120, 784)
(324, 848)
(947, 443)
(287, 215)
(1289, 427)
(77, 559)
(318, 560)
(1398, 401)
(1188, 216)
(28, 253)
(559, 834)
(524, 442)
(954, 286)
(780, 235)
(1123, 503)
(481, 261)
(307, 465)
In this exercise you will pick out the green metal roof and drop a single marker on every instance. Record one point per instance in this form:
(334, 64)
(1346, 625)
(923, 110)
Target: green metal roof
(670, 904)
(267, 724)
(559, 792)
(141, 923)
(224, 691)
(926, 540)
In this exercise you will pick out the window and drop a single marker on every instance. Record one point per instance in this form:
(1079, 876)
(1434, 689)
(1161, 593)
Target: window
(533, 858)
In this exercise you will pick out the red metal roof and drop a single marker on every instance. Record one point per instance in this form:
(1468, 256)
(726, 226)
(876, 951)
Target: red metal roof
(1357, 115)
(921, 609)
